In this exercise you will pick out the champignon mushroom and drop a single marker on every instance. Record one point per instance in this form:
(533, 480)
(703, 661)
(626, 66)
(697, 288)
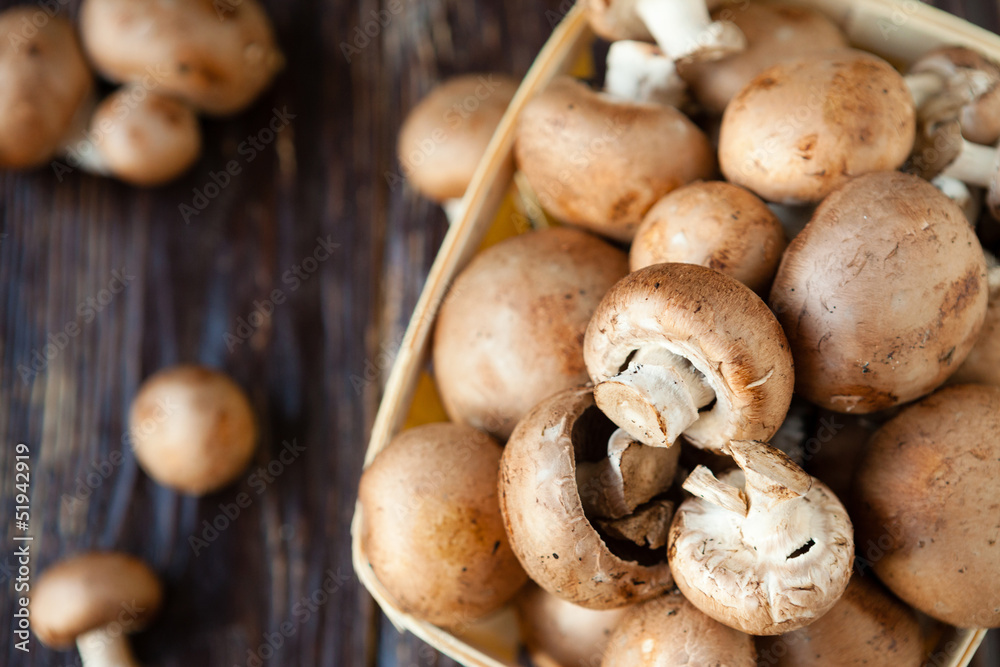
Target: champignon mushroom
(882, 295)
(962, 72)
(193, 429)
(557, 544)
(671, 632)
(983, 363)
(804, 127)
(928, 519)
(510, 332)
(95, 600)
(765, 552)
(47, 86)
(432, 529)
(602, 163)
(639, 72)
(218, 57)
(446, 134)
(774, 32)
(680, 348)
(714, 224)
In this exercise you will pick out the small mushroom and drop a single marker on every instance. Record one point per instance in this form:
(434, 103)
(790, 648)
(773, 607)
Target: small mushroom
(882, 295)
(714, 224)
(927, 514)
(510, 331)
(193, 429)
(983, 363)
(218, 57)
(671, 632)
(559, 547)
(601, 163)
(95, 600)
(680, 348)
(432, 528)
(804, 127)
(639, 72)
(960, 71)
(446, 134)
(765, 552)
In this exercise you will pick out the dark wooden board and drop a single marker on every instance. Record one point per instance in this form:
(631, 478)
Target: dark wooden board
(313, 368)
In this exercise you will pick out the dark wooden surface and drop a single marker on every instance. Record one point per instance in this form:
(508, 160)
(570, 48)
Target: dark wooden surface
(308, 368)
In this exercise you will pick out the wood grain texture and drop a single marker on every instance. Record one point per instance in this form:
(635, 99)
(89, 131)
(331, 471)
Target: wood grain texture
(313, 368)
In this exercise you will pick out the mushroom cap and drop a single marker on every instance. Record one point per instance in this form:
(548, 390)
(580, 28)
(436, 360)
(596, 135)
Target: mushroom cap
(974, 77)
(616, 20)
(714, 224)
(719, 325)
(928, 506)
(46, 84)
(882, 295)
(806, 126)
(432, 528)
(670, 632)
(92, 591)
(601, 163)
(557, 545)
(218, 57)
(193, 429)
(145, 138)
(510, 332)
(867, 627)
(983, 363)
(774, 32)
(558, 633)
(445, 136)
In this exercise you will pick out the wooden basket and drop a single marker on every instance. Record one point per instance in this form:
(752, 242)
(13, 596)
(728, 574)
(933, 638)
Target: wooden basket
(898, 30)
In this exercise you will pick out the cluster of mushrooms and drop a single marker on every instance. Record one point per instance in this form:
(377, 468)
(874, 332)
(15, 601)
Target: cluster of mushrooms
(698, 421)
(168, 61)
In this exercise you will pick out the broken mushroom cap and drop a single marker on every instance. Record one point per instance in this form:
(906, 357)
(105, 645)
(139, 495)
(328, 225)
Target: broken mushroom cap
(976, 79)
(983, 363)
(804, 127)
(444, 137)
(218, 57)
(510, 331)
(601, 163)
(867, 626)
(671, 632)
(432, 529)
(192, 429)
(47, 86)
(766, 551)
(927, 505)
(882, 295)
(774, 32)
(713, 224)
(559, 547)
(95, 600)
(680, 348)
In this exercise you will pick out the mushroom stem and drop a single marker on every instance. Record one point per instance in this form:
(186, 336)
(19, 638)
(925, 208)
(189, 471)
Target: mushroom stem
(684, 30)
(639, 72)
(98, 648)
(923, 86)
(976, 164)
(702, 483)
(959, 192)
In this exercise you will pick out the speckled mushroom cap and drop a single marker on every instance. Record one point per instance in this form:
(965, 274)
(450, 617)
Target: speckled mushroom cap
(670, 632)
(714, 224)
(882, 295)
(867, 627)
(803, 128)
(698, 317)
(976, 79)
(774, 32)
(928, 500)
(983, 363)
(510, 332)
(552, 537)
(615, 20)
(46, 84)
(601, 163)
(444, 137)
(217, 56)
(91, 591)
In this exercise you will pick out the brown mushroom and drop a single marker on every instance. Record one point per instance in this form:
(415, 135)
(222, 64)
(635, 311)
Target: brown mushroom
(510, 332)
(983, 363)
(95, 600)
(962, 72)
(714, 224)
(193, 429)
(602, 163)
(882, 295)
(929, 507)
(804, 127)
